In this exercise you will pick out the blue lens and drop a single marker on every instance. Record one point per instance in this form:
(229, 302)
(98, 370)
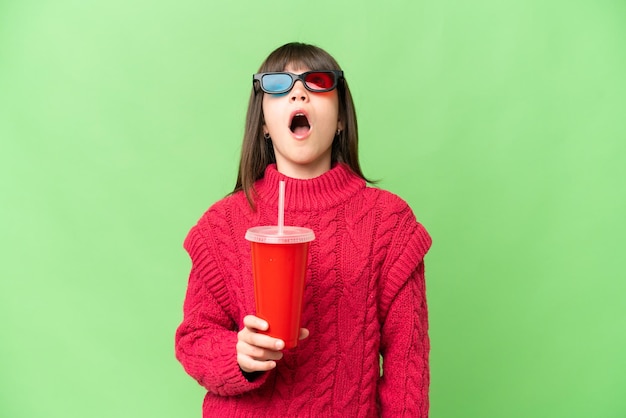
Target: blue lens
(276, 82)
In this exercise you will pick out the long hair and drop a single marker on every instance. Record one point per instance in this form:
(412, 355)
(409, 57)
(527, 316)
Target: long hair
(257, 152)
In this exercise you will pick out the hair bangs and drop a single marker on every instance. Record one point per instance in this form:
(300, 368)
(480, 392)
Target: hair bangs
(300, 57)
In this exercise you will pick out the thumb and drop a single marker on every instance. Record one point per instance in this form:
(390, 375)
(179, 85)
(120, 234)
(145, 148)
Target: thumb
(304, 333)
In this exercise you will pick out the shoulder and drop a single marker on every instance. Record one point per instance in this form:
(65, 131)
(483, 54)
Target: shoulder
(218, 219)
(227, 207)
(388, 203)
(397, 220)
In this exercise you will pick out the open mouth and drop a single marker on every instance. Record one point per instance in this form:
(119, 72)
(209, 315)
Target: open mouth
(300, 124)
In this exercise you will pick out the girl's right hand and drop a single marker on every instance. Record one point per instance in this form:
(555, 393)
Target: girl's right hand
(257, 352)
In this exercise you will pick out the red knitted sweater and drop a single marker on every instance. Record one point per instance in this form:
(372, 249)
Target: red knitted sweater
(365, 295)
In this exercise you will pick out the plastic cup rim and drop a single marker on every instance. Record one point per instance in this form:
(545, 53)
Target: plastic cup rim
(291, 235)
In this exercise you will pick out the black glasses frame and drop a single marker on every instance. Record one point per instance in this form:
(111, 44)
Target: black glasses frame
(302, 77)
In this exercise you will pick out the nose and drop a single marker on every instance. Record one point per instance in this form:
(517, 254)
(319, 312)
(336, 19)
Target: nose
(298, 92)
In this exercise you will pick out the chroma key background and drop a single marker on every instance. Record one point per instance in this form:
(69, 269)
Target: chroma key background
(500, 122)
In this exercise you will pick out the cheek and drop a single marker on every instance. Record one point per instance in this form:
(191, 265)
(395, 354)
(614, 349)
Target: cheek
(333, 113)
(269, 113)
(334, 107)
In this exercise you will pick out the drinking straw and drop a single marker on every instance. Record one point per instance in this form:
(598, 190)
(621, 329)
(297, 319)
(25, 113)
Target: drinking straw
(281, 207)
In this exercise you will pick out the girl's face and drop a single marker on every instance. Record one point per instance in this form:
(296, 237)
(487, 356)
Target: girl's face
(302, 125)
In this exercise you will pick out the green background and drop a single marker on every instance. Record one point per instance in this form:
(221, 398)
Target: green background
(500, 122)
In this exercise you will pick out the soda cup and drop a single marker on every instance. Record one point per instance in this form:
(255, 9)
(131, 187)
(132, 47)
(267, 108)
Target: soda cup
(279, 262)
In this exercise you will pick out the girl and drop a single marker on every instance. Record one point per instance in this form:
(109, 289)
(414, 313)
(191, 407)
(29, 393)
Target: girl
(365, 292)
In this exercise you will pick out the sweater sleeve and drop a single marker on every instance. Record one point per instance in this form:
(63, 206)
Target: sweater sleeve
(405, 345)
(205, 341)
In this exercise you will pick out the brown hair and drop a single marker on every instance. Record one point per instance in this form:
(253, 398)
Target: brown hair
(257, 152)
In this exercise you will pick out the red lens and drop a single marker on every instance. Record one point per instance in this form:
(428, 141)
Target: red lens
(320, 80)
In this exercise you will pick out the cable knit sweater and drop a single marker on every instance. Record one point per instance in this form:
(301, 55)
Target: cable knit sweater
(364, 295)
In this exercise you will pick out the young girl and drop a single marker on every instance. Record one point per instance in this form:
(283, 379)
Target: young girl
(365, 292)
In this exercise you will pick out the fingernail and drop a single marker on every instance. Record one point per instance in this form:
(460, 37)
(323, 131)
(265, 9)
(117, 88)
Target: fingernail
(280, 344)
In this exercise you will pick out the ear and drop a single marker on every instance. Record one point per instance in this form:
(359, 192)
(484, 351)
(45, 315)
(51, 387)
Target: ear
(340, 125)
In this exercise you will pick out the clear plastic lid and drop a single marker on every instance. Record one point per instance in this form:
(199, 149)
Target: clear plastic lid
(269, 235)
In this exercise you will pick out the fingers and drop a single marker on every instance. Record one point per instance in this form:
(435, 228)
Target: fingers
(250, 335)
(253, 322)
(256, 359)
(258, 345)
(257, 352)
(249, 365)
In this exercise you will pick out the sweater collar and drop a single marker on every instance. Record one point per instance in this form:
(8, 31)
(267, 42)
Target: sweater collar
(331, 188)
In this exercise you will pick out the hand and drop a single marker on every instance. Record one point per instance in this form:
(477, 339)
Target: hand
(259, 352)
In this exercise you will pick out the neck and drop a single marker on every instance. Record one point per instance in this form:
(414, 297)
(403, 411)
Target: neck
(303, 171)
(330, 188)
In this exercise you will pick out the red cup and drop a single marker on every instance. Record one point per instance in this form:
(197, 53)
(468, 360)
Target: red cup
(279, 264)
